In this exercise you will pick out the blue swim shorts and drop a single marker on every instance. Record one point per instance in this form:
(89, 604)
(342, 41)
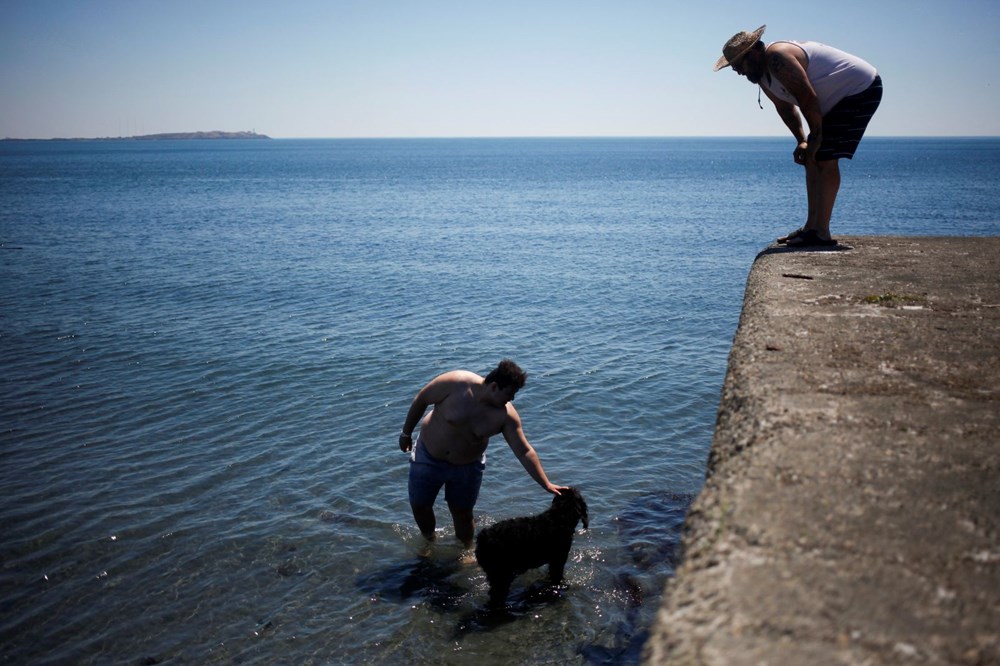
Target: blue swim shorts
(427, 475)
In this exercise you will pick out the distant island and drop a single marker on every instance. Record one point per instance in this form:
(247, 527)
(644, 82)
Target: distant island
(172, 136)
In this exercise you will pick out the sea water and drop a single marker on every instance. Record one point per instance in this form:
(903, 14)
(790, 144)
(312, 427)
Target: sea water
(209, 347)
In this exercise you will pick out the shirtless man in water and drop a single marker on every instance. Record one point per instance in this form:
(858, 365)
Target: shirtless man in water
(451, 448)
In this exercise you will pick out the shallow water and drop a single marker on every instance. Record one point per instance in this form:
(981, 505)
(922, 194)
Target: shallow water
(209, 348)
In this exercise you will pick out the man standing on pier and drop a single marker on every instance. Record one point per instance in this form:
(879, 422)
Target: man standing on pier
(836, 92)
(451, 448)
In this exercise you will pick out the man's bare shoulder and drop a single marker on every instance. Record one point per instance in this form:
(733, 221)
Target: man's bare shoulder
(447, 383)
(458, 377)
(780, 53)
(784, 47)
(512, 416)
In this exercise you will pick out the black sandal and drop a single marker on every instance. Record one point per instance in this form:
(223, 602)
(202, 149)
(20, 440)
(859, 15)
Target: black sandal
(809, 238)
(794, 234)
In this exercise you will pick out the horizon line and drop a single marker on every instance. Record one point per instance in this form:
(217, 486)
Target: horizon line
(505, 136)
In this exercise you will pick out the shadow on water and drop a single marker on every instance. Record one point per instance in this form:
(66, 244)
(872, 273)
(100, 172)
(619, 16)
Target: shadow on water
(520, 604)
(650, 532)
(422, 578)
(430, 581)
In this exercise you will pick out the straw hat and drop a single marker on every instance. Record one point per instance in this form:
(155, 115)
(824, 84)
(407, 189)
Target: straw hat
(740, 43)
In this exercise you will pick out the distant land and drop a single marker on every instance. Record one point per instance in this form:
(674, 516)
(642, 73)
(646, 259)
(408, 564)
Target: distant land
(172, 136)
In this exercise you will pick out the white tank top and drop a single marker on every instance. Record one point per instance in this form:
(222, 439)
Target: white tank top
(833, 74)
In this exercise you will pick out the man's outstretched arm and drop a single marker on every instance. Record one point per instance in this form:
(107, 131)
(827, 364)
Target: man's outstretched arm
(526, 454)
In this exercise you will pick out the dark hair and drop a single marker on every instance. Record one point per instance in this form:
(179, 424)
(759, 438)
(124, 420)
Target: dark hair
(507, 374)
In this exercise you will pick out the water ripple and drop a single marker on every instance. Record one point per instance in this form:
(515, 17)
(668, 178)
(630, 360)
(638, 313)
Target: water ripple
(208, 352)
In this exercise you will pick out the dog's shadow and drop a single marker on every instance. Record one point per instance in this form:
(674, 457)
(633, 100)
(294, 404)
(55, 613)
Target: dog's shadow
(520, 604)
(425, 579)
(432, 581)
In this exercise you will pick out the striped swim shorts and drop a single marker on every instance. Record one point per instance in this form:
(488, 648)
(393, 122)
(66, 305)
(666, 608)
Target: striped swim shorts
(845, 124)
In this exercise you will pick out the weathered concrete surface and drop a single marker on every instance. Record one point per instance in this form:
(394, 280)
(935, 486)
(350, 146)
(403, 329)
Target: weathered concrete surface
(851, 513)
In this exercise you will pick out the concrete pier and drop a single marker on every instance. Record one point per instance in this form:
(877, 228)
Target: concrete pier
(851, 512)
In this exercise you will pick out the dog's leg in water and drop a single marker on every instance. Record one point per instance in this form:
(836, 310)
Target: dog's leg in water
(499, 587)
(556, 568)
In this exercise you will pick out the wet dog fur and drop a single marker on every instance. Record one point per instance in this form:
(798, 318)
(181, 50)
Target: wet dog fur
(516, 545)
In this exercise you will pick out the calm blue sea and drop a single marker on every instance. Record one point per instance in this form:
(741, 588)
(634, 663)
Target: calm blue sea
(208, 349)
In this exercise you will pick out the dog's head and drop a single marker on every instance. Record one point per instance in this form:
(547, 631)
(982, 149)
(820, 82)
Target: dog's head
(570, 503)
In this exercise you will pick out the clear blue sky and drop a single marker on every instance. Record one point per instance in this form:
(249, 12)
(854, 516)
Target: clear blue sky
(416, 68)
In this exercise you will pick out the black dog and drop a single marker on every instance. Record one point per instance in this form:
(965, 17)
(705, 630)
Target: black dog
(513, 546)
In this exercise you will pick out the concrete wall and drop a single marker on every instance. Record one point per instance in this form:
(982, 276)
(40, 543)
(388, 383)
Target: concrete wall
(851, 513)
